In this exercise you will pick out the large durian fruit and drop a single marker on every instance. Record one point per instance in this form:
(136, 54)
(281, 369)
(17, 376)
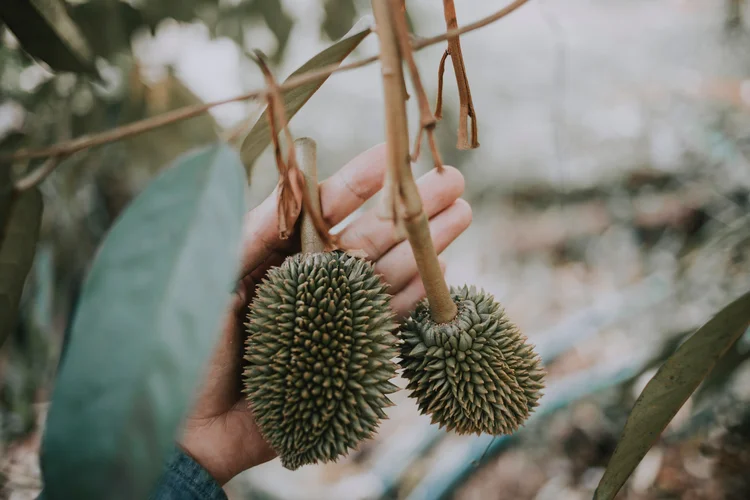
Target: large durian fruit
(320, 350)
(474, 374)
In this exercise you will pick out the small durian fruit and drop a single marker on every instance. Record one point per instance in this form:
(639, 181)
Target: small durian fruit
(474, 374)
(319, 350)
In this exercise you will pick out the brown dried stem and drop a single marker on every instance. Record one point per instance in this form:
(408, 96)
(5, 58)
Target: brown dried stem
(291, 179)
(427, 121)
(441, 74)
(408, 202)
(65, 148)
(462, 81)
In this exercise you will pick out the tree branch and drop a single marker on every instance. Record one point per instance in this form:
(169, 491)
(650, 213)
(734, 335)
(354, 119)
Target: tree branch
(139, 127)
(427, 121)
(36, 176)
(408, 204)
(462, 81)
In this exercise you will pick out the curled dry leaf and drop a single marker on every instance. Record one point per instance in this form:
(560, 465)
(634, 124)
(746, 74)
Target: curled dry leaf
(462, 81)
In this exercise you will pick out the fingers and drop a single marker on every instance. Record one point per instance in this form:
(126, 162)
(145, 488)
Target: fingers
(376, 236)
(346, 190)
(260, 235)
(340, 195)
(398, 265)
(406, 300)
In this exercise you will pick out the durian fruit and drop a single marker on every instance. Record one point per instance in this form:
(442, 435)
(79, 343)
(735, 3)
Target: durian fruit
(474, 374)
(319, 350)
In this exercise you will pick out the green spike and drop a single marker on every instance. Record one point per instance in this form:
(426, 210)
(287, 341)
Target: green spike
(460, 372)
(318, 354)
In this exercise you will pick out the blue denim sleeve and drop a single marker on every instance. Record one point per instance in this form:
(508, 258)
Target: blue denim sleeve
(185, 479)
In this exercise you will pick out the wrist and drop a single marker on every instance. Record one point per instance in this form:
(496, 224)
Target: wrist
(211, 460)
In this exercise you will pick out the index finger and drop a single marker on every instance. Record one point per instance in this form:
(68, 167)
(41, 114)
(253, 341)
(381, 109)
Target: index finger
(346, 190)
(340, 195)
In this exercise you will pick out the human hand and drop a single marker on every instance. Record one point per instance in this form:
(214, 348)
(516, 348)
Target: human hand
(220, 433)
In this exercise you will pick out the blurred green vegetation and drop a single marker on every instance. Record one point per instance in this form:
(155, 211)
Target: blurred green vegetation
(89, 189)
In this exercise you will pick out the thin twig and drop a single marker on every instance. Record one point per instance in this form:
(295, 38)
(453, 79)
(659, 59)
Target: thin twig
(36, 176)
(441, 74)
(426, 120)
(442, 307)
(462, 81)
(481, 23)
(186, 112)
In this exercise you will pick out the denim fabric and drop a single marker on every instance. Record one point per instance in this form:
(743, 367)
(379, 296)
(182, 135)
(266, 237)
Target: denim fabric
(185, 479)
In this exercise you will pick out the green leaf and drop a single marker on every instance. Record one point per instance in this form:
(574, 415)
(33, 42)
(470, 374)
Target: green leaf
(147, 318)
(260, 135)
(21, 217)
(277, 20)
(108, 25)
(668, 390)
(45, 31)
(339, 15)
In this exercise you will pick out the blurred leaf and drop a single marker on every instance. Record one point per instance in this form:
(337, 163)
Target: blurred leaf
(144, 328)
(44, 30)
(260, 135)
(22, 218)
(668, 390)
(142, 156)
(231, 20)
(278, 22)
(339, 17)
(30, 357)
(108, 25)
(179, 10)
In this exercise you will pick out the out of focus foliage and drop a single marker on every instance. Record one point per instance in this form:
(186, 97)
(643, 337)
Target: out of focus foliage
(69, 69)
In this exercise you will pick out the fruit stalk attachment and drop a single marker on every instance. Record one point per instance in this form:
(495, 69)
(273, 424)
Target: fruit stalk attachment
(306, 152)
(406, 203)
(468, 366)
(319, 349)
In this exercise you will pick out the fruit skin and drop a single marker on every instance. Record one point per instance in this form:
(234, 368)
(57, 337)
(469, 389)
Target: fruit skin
(319, 356)
(475, 374)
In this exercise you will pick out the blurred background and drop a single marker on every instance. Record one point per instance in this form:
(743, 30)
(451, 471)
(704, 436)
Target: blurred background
(610, 195)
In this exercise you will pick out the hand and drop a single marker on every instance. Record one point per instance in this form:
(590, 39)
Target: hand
(220, 433)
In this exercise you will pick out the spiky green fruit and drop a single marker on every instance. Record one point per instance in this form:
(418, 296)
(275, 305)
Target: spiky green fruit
(475, 374)
(319, 356)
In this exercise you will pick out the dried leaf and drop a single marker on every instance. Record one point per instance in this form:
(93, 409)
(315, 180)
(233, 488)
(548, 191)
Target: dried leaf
(668, 390)
(45, 31)
(259, 137)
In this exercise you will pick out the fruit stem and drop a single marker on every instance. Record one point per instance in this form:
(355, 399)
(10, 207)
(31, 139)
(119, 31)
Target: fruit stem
(305, 150)
(408, 203)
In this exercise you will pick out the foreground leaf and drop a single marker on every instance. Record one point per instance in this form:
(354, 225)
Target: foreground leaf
(260, 135)
(108, 25)
(668, 390)
(21, 218)
(147, 317)
(45, 31)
